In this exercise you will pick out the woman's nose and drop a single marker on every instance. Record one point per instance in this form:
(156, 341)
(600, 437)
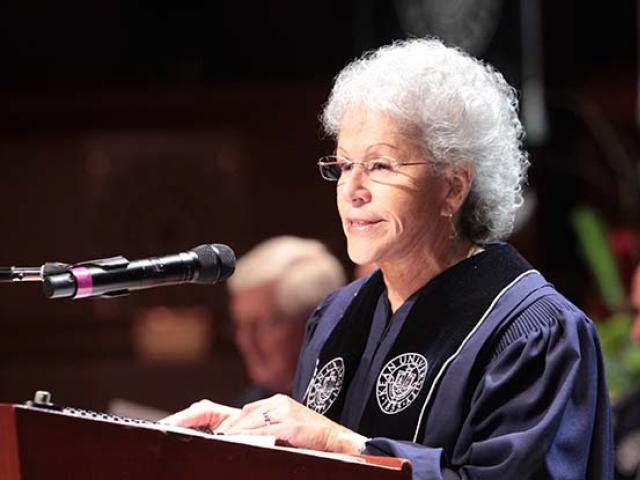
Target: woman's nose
(355, 186)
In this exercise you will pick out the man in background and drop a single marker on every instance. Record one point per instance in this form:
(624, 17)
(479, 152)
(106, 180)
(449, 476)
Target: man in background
(274, 289)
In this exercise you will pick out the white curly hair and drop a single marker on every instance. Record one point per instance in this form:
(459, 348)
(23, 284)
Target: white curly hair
(458, 109)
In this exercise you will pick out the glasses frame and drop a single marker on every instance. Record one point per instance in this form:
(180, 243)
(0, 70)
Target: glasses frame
(331, 160)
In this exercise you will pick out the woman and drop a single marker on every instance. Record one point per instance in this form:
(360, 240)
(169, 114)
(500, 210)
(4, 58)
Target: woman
(455, 353)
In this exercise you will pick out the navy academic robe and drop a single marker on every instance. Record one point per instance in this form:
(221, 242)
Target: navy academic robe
(523, 395)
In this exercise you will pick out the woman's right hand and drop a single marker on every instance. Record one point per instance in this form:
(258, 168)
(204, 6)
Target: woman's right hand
(204, 413)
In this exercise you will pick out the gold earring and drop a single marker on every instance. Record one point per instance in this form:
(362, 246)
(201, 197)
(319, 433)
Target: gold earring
(453, 234)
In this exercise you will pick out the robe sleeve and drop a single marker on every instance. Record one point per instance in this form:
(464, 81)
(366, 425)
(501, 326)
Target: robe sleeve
(539, 409)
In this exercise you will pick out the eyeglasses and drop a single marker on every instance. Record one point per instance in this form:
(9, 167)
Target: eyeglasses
(334, 168)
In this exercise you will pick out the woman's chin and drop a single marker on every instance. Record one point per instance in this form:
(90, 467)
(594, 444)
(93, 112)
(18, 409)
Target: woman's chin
(361, 255)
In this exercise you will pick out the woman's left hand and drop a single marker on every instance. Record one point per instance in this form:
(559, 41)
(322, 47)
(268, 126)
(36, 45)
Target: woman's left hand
(293, 424)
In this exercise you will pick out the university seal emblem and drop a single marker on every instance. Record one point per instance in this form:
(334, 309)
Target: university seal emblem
(400, 382)
(325, 386)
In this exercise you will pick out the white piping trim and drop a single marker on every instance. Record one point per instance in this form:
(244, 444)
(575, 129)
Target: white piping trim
(464, 342)
(306, 392)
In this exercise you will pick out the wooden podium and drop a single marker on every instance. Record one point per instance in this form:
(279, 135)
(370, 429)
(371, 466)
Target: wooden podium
(38, 444)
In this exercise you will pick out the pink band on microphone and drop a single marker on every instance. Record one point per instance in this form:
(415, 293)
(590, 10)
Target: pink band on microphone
(84, 282)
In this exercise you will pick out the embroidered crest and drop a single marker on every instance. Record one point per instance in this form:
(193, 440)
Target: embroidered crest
(325, 386)
(400, 382)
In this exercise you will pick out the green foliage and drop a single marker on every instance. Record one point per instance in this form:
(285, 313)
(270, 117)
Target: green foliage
(592, 234)
(621, 354)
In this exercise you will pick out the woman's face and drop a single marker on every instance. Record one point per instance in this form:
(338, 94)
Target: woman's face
(396, 220)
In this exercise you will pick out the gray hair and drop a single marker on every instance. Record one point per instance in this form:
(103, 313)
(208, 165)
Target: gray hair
(303, 270)
(458, 109)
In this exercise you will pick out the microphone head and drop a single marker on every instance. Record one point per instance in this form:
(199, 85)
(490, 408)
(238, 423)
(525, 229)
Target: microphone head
(217, 262)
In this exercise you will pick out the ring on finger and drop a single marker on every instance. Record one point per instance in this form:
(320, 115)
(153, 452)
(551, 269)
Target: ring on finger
(266, 417)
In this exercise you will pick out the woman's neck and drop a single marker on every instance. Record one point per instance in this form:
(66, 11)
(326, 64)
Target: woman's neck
(403, 277)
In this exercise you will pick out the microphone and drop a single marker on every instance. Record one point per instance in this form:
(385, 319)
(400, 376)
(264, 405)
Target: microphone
(110, 277)
(31, 274)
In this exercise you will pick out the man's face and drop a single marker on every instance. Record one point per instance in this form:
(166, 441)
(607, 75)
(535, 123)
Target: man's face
(268, 339)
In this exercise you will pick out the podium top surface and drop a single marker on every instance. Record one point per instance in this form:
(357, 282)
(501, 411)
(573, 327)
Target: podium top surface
(36, 442)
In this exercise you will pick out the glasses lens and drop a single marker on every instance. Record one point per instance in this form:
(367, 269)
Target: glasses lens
(329, 169)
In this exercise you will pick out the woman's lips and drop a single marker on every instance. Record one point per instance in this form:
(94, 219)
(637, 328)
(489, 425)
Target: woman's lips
(359, 225)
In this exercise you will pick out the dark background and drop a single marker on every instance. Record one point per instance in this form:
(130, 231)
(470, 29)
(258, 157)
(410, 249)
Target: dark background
(142, 128)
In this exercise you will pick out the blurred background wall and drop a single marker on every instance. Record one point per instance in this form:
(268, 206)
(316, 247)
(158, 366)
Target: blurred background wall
(141, 128)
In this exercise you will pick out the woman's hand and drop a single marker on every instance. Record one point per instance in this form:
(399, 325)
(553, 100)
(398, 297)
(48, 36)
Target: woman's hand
(204, 413)
(292, 424)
